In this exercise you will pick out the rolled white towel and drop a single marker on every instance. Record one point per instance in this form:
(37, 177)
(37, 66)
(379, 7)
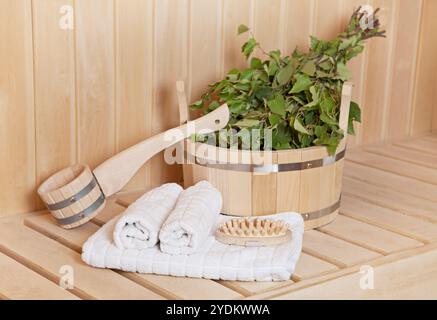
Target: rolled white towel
(139, 225)
(189, 224)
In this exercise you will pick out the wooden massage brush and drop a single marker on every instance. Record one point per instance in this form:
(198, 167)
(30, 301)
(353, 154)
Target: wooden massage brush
(76, 194)
(253, 232)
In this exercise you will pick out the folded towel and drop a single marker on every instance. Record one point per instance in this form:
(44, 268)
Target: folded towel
(139, 225)
(213, 260)
(190, 223)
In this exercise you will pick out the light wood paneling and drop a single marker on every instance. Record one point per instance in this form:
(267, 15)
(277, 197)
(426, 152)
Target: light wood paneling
(94, 27)
(170, 65)
(134, 74)
(55, 108)
(110, 81)
(17, 127)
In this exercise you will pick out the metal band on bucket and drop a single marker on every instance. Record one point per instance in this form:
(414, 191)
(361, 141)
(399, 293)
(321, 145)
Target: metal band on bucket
(74, 198)
(322, 212)
(274, 168)
(83, 214)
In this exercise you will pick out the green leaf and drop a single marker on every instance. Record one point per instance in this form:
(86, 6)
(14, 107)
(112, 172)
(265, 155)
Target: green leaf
(321, 131)
(255, 63)
(274, 119)
(247, 123)
(284, 75)
(343, 72)
(277, 105)
(264, 93)
(303, 82)
(326, 65)
(242, 29)
(347, 43)
(213, 105)
(309, 68)
(299, 127)
(354, 115)
(248, 47)
(197, 105)
(326, 119)
(327, 105)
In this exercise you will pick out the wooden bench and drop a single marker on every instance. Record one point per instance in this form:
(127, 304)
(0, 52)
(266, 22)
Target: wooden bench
(388, 221)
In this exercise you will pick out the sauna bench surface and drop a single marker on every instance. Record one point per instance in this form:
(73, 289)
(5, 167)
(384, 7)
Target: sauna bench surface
(387, 229)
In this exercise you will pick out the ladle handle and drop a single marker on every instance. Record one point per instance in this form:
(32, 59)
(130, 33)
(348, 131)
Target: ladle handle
(115, 173)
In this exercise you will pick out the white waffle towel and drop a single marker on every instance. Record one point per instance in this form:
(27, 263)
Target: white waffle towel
(189, 224)
(139, 225)
(213, 260)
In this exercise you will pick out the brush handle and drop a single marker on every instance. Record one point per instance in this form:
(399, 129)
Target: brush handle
(115, 173)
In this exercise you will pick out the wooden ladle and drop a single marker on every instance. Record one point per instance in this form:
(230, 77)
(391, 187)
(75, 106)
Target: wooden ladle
(76, 194)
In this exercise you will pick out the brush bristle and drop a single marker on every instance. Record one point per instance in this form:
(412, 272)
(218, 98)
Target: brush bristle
(246, 227)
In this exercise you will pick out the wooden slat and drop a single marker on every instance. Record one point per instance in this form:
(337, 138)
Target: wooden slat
(419, 145)
(334, 250)
(17, 131)
(327, 22)
(170, 64)
(48, 256)
(309, 266)
(234, 14)
(425, 82)
(431, 138)
(266, 11)
(205, 16)
(251, 288)
(414, 284)
(133, 98)
(358, 68)
(297, 13)
(404, 69)
(411, 156)
(171, 287)
(378, 75)
(94, 26)
(20, 283)
(54, 89)
(390, 180)
(395, 166)
(385, 197)
(368, 236)
(389, 219)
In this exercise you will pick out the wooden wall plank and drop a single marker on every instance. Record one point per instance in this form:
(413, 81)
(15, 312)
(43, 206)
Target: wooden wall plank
(234, 14)
(134, 75)
(298, 24)
(379, 67)
(170, 65)
(95, 80)
(17, 131)
(55, 105)
(404, 67)
(206, 59)
(268, 12)
(426, 78)
(327, 24)
(358, 68)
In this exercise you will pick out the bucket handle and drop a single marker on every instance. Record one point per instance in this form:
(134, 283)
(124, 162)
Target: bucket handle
(346, 97)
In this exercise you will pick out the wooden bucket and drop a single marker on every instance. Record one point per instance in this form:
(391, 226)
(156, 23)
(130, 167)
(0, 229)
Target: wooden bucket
(73, 196)
(255, 183)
